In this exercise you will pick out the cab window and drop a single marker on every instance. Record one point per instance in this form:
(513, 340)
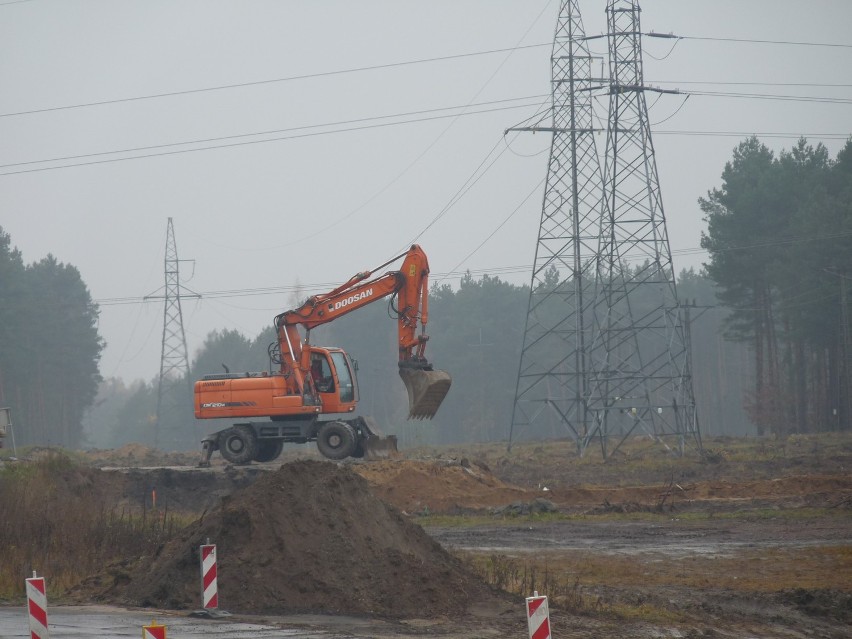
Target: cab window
(344, 376)
(321, 374)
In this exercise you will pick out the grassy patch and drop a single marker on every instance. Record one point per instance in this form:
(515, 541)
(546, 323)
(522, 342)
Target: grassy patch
(641, 460)
(523, 577)
(470, 521)
(53, 522)
(568, 572)
(745, 514)
(568, 586)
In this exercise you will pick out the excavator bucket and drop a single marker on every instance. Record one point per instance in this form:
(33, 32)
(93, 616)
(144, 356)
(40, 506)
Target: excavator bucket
(374, 444)
(426, 391)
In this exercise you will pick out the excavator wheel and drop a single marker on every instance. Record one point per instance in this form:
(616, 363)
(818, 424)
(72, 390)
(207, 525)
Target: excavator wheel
(238, 444)
(426, 391)
(268, 451)
(337, 440)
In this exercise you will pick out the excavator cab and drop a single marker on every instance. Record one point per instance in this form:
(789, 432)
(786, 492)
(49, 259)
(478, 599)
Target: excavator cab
(333, 377)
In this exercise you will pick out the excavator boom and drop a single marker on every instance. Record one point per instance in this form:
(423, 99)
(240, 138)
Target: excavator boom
(426, 387)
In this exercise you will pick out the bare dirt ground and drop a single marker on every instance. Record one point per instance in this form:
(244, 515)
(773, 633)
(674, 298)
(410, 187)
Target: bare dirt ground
(751, 539)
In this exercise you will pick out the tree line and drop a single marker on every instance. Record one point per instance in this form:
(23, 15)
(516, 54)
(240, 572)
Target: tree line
(476, 328)
(49, 348)
(779, 238)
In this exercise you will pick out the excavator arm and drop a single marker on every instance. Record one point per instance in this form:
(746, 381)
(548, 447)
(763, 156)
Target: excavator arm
(426, 387)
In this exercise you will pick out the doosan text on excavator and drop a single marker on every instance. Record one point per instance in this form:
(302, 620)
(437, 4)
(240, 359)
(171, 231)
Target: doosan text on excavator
(310, 392)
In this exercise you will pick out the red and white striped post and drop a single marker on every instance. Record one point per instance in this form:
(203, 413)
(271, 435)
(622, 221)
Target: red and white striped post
(154, 631)
(37, 607)
(538, 617)
(209, 583)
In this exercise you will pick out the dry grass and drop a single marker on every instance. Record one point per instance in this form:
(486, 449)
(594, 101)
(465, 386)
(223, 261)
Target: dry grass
(566, 588)
(571, 578)
(641, 459)
(52, 522)
(523, 577)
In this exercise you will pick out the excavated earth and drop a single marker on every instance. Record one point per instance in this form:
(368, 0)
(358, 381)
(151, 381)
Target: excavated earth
(734, 544)
(310, 536)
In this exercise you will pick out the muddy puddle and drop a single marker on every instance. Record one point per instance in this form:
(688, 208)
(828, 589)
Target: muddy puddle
(671, 539)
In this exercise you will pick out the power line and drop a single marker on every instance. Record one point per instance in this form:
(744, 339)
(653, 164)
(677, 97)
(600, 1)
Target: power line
(760, 83)
(462, 190)
(499, 270)
(408, 121)
(270, 132)
(304, 76)
(770, 96)
(246, 143)
(390, 65)
(755, 41)
(399, 175)
(795, 136)
(307, 289)
(494, 231)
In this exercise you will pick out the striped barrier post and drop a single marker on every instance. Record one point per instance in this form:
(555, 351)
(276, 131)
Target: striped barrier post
(37, 607)
(209, 582)
(154, 631)
(538, 617)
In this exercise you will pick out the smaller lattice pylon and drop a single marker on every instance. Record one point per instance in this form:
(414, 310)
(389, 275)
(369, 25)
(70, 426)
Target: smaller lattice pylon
(173, 402)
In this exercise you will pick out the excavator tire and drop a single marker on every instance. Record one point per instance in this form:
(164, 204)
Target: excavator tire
(426, 391)
(336, 440)
(268, 451)
(238, 444)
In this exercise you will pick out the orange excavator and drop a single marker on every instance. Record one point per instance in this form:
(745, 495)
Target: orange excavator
(313, 393)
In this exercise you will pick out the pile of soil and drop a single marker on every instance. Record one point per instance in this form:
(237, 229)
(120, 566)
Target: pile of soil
(309, 537)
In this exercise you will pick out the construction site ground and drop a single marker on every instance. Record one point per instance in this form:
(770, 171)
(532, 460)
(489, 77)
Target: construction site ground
(750, 538)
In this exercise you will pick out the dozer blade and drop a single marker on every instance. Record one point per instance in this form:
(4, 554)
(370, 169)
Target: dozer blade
(426, 391)
(375, 445)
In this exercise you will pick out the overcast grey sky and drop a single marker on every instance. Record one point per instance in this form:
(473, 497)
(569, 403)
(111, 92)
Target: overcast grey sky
(309, 206)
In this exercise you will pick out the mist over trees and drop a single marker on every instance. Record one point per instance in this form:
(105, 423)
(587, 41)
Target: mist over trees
(779, 237)
(476, 328)
(49, 348)
(770, 327)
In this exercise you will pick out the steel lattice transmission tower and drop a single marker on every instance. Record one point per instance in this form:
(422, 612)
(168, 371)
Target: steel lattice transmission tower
(173, 400)
(553, 375)
(641, 378)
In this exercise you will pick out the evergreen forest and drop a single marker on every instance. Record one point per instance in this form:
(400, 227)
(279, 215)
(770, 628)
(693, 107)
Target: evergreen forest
(49, 348)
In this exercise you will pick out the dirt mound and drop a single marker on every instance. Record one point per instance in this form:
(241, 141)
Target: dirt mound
(309, 537)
